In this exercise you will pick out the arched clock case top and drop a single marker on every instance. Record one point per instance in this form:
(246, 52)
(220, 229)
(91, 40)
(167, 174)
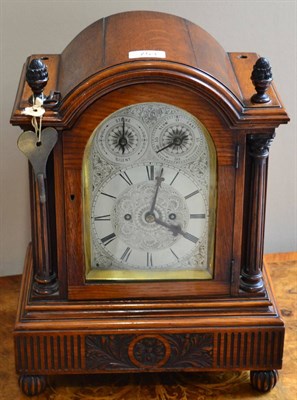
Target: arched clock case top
(193, 173)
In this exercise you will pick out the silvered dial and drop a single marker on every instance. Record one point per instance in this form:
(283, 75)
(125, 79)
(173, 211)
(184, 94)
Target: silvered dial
(149, 216)
(177, 138)
(122, 139)
(148, 191)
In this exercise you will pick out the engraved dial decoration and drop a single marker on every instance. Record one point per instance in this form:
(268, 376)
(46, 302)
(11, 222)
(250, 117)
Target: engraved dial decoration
(122, 139)
(149, 215)
(148, 185)
(177, 138)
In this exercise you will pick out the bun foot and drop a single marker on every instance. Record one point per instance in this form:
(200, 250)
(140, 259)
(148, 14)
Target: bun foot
(32, 385)
(264, 381)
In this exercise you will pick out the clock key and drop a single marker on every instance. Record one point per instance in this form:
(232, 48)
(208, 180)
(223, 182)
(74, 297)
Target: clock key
(37, 152)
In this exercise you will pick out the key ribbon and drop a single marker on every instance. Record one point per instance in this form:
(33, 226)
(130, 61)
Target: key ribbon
(36, 112)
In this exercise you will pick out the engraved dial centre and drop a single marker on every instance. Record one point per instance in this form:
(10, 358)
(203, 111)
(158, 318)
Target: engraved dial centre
(142, 231)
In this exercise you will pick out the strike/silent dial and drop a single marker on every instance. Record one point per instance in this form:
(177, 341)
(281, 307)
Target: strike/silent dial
(122, 139)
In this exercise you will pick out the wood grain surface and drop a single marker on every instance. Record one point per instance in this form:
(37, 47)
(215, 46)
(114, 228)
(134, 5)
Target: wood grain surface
(173, 386)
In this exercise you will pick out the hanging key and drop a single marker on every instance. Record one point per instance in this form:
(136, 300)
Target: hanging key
(37, 152)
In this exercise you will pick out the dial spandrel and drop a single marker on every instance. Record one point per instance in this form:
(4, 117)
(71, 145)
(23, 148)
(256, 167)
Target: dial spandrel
(149, 182)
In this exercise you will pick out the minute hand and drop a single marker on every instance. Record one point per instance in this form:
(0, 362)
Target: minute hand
(177, 230)
(159, 180)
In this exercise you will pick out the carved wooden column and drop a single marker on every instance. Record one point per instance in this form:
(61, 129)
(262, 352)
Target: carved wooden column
(258, 151)
(45, 279)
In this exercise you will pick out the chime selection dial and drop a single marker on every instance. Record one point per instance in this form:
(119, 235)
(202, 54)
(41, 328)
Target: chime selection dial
(177, 138)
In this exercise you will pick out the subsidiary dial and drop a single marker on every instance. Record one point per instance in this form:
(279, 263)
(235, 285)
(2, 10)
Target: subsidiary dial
(121, 139)
(177, 138)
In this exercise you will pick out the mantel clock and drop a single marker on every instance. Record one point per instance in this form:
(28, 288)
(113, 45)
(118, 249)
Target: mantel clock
(148, 171)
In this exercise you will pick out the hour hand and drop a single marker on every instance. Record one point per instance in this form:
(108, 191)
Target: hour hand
(177, 230)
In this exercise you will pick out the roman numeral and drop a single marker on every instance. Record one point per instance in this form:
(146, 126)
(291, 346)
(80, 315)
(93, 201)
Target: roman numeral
(102, 218)
(126, 254)
(149, 259)
(174, 178)
(108, 195)
(126, 178)
(190, 237)
(197, 216)
(108, 239)
(192, 194)
(150, 170)
(174, 254)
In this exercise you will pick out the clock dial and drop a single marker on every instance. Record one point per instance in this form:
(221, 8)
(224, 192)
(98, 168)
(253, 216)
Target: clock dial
(177, 138)
(149, 180)
(149, 223)
(122, 139)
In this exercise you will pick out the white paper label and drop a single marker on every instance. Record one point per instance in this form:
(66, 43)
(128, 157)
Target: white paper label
(147, 54)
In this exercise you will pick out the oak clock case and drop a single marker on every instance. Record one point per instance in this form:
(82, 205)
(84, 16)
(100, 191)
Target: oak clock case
(148, 171)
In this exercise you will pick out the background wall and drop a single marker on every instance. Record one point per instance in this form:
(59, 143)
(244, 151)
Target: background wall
(47, 26)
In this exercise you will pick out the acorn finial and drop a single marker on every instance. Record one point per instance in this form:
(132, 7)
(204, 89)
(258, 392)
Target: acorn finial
(261, 78)
(37, 77)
